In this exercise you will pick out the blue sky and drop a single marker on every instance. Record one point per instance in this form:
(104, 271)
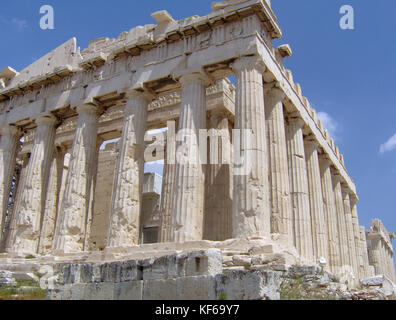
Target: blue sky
(348, 76)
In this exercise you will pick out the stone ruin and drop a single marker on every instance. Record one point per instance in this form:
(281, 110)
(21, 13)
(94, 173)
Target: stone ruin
(213, 226)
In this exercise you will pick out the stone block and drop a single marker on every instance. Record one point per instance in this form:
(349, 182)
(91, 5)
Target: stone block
(385, 286)
(146, 267)
(268, 259)
(160, 289)
(99, 291)
(244, 261)
(301, 271)
(23, 276)
(373, 281)
(247, 285)
(178, 269)
(130, 271)
(262, 250)
(166, 267)
(228, 261)
(132, 290)
(77, 291)
(196, 288)
(87, 273)
(111, 272)
(279, 267)
(71, 273)
(60, 293)
(208, 262)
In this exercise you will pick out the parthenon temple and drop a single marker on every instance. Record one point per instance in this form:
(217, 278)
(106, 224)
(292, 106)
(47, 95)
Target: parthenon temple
(68, 192)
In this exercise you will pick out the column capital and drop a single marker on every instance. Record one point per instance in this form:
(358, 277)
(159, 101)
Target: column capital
(251, 62)
(337, 178)
(345, 194)
(276, 94)
(46, 119)
(140, 94)
(9, 130)
(87, 109)
(195, 77)
(354, 199)
(311, 142)
(296, 120)
(324, 160)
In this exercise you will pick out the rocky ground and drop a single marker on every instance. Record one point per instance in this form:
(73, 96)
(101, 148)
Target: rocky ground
(305, 283)
(19, 286)
(298, 283)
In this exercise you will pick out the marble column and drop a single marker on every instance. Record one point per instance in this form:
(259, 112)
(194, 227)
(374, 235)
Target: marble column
(383, 257)
(330, 213)
(167, 185)
(341, 222)
(388, 263)
(34, 189)
(392, 266)
(251, 212)
(77, 200)
(356, 232)
(9, 144)
(52, 204)
(125, 215)
(302, 230)
(364, 253)
(188, 184)
(350, 233)
(218, 181)
(9, 236)
(281, 211)
(318, 219)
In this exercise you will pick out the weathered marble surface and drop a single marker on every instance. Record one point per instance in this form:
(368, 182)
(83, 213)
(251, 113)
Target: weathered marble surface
(296, 190)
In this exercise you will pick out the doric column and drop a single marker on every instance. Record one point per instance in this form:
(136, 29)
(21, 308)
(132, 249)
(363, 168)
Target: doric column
(34, 189)
(188, 193)
(251, 211)
(356, 233)
(341, 223)
(125, 215)
(364, 253)
(302, 229)
(167, 185)
(350, 233)
(166, 202)
(392, 265)
(383, 258)
(52, 204)
(319, 230)
(281, 211)
(9, 236)
(218, 181)
(330, 213)
(8, 150)
(77, 200)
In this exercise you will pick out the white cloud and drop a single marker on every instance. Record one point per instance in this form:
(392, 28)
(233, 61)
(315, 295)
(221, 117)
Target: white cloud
(329, 124)
(388, 146)
(19, 23)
